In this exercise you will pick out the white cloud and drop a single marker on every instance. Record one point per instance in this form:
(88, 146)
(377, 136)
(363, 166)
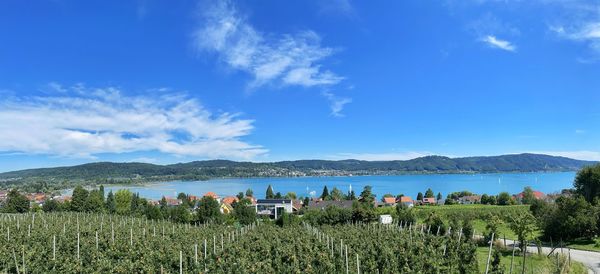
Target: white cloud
(578, 154)
(580, 131)
(289, 59)
(494, 42)
(380, 156)
(88, 121)
(336, 103)
(587, 32)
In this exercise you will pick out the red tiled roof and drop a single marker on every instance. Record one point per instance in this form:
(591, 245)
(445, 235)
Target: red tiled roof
(211, 194)
(389, 200)
(536, 194)
(229, 200)
(405, 199)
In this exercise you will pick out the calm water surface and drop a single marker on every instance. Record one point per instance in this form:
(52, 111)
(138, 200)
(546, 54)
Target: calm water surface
(407, 184)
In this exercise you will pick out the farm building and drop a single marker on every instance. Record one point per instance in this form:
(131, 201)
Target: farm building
(385, 219)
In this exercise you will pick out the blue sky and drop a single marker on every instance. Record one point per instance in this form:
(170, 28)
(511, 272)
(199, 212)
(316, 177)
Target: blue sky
(175, 81)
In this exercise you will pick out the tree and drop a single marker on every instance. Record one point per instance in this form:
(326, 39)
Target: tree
(493, 222)
(420, 196)
(435, 222)
(291, 195)
(367, 197)
(95, 201)
(270, 194)
(249, 192)
(111, 206)
(399, 196)
(240, 195)
(180, 214)
(587, 182)
(244, 212)
(79, 199)
(504, 198)
(337, 195)
(523, 225)
(325, 194)
(16, 202)
(528, 196)
(51, 206)
(405, 214)
(101, 189)
(123, 199)
(351, 195)
(306, 201)
(278, 195)
(496, 267)
(439, 196)
(153, 213)
(485, 199)
(209, 211)
(569, 218)
(429, 193)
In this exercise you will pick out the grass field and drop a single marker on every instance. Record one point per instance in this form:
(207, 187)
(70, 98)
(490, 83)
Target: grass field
(585, 244)
(533, 263)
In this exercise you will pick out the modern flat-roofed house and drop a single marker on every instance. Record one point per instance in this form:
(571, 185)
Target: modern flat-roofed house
(273, 207)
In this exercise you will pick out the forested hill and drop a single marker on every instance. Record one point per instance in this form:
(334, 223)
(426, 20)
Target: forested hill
(118, 172)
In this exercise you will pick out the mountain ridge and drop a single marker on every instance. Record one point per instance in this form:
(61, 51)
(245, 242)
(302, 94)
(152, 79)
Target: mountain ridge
(206, 169)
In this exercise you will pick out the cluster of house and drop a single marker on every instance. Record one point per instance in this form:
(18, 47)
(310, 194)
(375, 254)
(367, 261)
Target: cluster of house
(34, 198)
(275, 207)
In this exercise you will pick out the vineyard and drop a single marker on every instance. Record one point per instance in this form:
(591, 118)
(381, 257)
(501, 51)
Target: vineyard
(70, 243)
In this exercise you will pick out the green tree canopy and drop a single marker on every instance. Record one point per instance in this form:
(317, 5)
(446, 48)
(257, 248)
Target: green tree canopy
(419, 196)
(111, 205)
(504, 198)
(337, 194)
(325, 193)
(249, 192)
(209, 211)
(244, 212)
(123, 199)
(429, 193)
(587, 182)
(79, 199)
(528, 196)
(16, 202)
(95, 201)
(270, 194)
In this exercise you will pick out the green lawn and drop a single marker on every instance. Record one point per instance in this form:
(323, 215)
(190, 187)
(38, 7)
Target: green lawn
(533, 263)
(585, 244)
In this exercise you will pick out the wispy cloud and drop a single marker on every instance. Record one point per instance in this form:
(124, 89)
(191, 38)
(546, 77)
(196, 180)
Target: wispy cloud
(343, 7)
(577, 154)
(587, 32)
(87, 121)
(494, 42)
(580, 131)
(337, 103)
(380, 156)
(288, 59)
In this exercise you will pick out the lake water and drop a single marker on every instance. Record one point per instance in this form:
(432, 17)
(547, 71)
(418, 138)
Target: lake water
(409, 185)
